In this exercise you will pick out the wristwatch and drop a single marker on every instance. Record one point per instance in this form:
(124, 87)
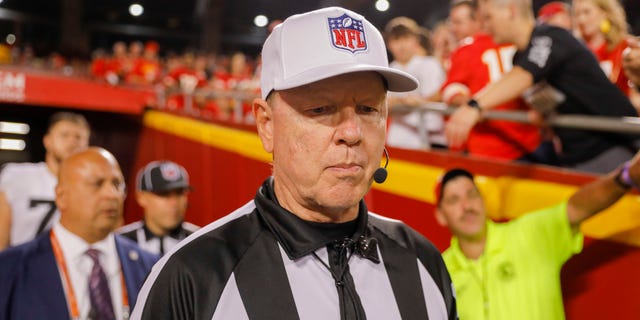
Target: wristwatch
(473, 103)
(623, 179)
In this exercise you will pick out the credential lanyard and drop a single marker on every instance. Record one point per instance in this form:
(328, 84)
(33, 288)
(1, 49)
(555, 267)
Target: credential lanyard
(71, 296)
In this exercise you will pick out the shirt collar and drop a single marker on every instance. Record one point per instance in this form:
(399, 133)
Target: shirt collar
(176, 233)
(299, 238)
(74, 248)
(492, 246)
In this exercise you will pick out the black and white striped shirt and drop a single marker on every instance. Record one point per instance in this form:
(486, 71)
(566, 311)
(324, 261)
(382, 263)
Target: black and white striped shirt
(263, 262)
(139, 233)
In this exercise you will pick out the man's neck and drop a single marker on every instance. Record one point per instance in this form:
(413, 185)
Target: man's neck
(288, 201)
(52, 164)
(596, 42)
(156, 230)
(524, 31)
(406, 61)
(473, 248)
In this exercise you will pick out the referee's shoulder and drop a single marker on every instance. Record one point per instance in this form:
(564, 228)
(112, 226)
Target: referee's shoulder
(129, 230)
(402, 234)
(190, 227)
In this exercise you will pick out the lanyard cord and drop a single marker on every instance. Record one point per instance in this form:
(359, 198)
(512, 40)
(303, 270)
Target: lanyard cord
(339, 277)
(71, 296)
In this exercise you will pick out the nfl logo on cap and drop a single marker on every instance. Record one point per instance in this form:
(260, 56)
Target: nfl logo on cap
(170, 171)
(162, 176)
(347, 33)
(324, 43)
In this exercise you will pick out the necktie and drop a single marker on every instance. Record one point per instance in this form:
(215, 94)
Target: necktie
(350, 304)
(99, 293)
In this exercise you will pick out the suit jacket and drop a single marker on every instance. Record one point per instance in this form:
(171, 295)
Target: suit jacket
(30, 283)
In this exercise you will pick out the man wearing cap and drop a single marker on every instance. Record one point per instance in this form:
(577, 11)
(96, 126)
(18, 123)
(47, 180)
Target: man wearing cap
(306, 247)
(512, 270)
(162, 189)
(556, 13)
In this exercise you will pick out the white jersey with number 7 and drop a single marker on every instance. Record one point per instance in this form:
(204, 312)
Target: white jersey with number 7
(30, 190)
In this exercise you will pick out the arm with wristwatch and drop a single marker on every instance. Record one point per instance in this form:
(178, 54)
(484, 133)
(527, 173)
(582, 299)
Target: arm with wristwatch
(512, 85)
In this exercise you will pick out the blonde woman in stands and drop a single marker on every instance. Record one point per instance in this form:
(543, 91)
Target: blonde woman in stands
(631, 63)
(603, 27)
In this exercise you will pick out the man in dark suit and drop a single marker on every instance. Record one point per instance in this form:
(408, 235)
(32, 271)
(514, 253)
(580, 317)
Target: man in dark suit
(80, 269)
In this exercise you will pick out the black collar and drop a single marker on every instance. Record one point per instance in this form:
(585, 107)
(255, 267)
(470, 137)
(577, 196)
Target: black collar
(176, 233)
(299, 238)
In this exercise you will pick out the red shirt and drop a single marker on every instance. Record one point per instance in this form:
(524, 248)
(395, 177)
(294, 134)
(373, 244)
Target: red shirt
(477, 62)
(611, 63)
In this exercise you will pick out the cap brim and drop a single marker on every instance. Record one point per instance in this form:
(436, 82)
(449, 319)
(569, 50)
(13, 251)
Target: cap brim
(171, 187)
(398, 81)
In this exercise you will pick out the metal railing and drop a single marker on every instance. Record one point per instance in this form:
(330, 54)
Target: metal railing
(624, 125)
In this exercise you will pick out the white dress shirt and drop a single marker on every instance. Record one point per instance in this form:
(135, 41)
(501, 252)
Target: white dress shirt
(79, 266)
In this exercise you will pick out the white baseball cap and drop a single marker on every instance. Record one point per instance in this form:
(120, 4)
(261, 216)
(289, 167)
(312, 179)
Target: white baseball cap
(320, 44)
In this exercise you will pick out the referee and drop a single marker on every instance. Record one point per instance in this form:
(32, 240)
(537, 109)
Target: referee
(306, 247)
(162, 189)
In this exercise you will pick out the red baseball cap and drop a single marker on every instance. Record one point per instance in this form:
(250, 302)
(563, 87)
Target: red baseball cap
(552, 8)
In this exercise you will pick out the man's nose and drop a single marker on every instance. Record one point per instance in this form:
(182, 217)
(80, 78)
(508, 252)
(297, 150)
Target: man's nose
(349, 129)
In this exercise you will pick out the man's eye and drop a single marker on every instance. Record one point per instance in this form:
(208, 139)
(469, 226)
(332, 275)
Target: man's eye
(367, 109)
(318, 110)
(97, 184)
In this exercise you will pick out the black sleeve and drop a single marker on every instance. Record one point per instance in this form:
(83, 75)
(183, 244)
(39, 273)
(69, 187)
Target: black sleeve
(430, 257)
(548, 48)
(400, 255)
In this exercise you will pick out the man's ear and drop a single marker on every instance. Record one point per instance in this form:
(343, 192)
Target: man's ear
(264, 123)
(141, 199)
(61, 203)
(46, 141)
(440, 218)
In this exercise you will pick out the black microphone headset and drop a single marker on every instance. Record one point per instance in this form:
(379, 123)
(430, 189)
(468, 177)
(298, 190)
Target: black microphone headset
(380, 175)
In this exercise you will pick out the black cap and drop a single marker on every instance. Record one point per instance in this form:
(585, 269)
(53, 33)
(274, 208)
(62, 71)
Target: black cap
(162, 176)
(448, 176)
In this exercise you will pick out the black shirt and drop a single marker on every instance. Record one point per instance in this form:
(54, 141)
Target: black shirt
(556, 56)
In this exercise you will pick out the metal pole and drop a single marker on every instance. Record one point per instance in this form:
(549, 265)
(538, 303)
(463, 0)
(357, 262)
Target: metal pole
(625, 125)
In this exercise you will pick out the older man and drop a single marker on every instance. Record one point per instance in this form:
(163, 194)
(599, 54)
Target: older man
(80, 269)
(306, 247)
